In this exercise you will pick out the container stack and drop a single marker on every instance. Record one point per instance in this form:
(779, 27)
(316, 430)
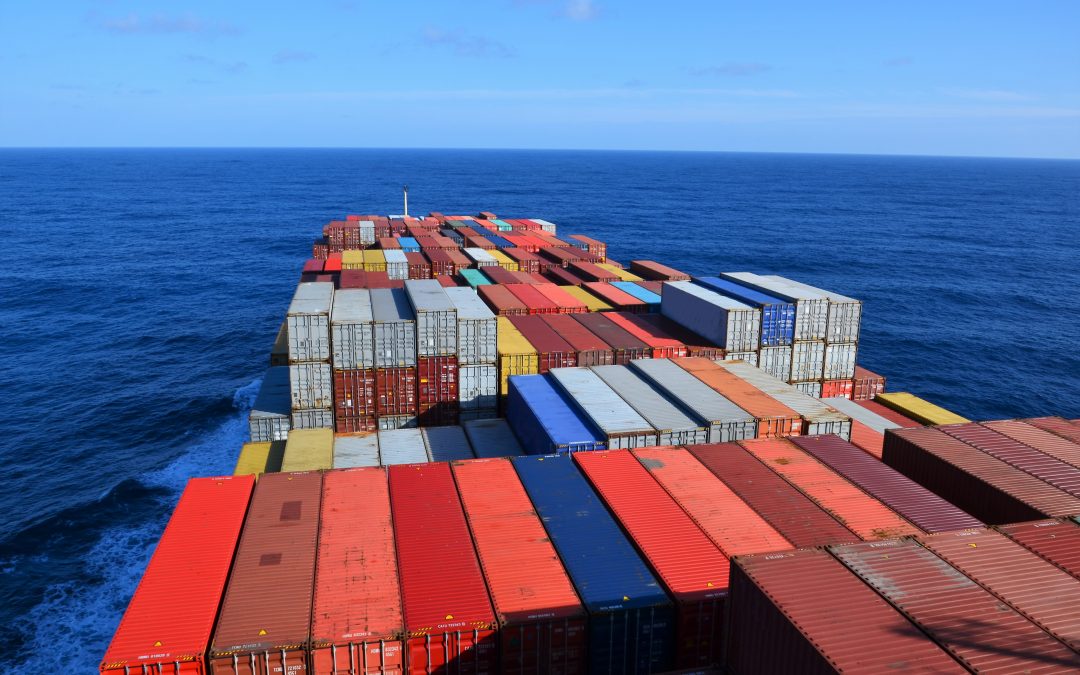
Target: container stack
(478, 372)
(394, 333)
(352, 333)
(310, 379)
(436, 352)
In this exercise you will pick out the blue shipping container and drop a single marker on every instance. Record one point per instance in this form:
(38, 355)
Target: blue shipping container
(451, 234)
(544, 419)
(409, 244)
(643, 294)
(498, 241)
(631, 619)
(777, 315)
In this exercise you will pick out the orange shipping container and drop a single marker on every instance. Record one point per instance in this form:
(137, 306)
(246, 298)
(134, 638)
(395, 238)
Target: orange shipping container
(867, 438)
(774, 418)
(663, 347)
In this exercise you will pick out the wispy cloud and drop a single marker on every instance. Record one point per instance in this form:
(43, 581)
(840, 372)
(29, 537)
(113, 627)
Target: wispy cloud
(581, 10)
(135, 23)
(897, 61)
(995, 95)
(543, 95)
(292, 56)
(223, 66)
(733, 69)
(462, 43)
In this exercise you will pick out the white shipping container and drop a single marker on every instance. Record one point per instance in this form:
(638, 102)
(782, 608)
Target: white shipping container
(614, 417)
(673, 426)
(807, 360)
(397, 265)
(402, 446)
(367, 232)
(749, 357)
(447, 444)
(776, 361)
(811, 307)
(492, 438)
(861, 414)
(394, 328)
(480, 257)
(840, 360)
(545, 226)
(322, 418)
(476, 327)
(356, 451)
(269, 417)
(436, 318)
(311, 386)
(308, 321)
(722, 320)
(809, 388)
(818, 418)
(352, 330)
(845, 314)
(478, 388)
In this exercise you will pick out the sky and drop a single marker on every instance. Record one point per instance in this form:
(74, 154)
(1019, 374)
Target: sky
(963, 77)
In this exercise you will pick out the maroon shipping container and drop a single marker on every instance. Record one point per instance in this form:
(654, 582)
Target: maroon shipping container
(449, 282)
(591, 272)
(889, 414)
(461, 261)
(354, 400)
(867, 384)
(1037, 589)
(389, 243)
(695, 344)
(624, 346)
(650, 269)
(444, 242)
(968, 621)
(500, 275)
(426, 243)
(1057, 425)
(449, 621)
(984, 486)
(594, 246)
(313, 266)
(534, 300)
(264, 618)
(793, 514)
(1064, 477)
(441, 262)
(1045, 442)
(551, 350)
(419, 267)
(591, 350)
(501, 301)
(560, 256)
(527, 262)
(362, 279)
(476, 241)
(617, 298)
(1055, 540)
(395, 391)
(320, 250)
(437, 390)
(804, 612)
(563, 276)
(922, 507)
(308, 278)
(652, 286)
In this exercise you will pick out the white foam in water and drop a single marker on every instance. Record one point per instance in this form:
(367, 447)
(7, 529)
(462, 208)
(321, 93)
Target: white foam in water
(73, 624)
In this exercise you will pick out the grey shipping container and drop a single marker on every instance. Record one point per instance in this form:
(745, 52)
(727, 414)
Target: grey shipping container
(621, 424)
(776, 361)
(436, 318)
(269, 418)
(388, 422)
(818, 418)
(394, 329)
(481, 257)
(478, 388)
(447, 444)
(359, 450)
(402, 446)
(492, 438)
(811, 307)
(673, 426)
(397, 265)
(477, 330)
(749, 357)
(860, 414)
(845, 314)
(722, 320)
(311, 386)
(308, 322)
(807, 360)
(320, 418)
(352, 332)
(809, 388)
(840, 360)
(367, 231)
(726, 421)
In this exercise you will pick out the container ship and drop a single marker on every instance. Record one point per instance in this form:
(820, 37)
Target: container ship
(485, 447)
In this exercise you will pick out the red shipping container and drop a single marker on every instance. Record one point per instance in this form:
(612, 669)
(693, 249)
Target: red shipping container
(1064, 477)
(1057, 425)
(695, 344)
(866, 384)
(650, 269)
(501, 301)
(356, 622)
(461, 261)
(591, 245)
(652, 286)
(837, 388)
(441, 262)
(663, 347)
(979, 630)
(692, 568)
(591, 350)
(313, 266)
(551, 350)
(499, 275)
(395, 391)
(532, 278)
(332, 263)
(591, 272)
(773, 417)
(476, 241)
(618, 299)
(563, 277)
(449, 282)
(560, 256)
(437, 390)
(526, 261)
(803, 612)
(1057, 541)
(167, 624)
(564, 302)
(354, 401)
(534, 300)
(624, 346)
(866, 438)
(449, 622)
(889, 414)
(552, 240)
(793, 514)
(266, 612)
(419, 267)
(389, 243)
(1045, 442)
(541, 619)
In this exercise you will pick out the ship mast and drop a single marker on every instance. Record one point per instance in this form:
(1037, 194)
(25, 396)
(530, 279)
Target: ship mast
(406, 201)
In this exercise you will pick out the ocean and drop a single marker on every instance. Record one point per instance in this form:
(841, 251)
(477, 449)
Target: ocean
(142, 290)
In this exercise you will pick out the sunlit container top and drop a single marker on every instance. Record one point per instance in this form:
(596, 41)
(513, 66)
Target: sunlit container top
(808, 407)
(428, 295)
(352, 305)
(565, 427)
(309, 450)
(480, 256)
(446, 444)
(468, 304)
(652, 405)
(402, 446)
(708, 404)
(604, 407)
(312, 297)
(919, 409)
(356, 451)
(643, 294)
(390, 305)
(474, 277)
(395, 256)
(861, 414)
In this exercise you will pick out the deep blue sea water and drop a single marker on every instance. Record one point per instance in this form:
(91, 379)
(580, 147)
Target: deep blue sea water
(142, 289)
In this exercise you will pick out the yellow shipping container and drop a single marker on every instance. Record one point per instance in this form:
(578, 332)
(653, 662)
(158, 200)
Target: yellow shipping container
(517, 356)
(309, 450)
(620, 272)
(919, 409)
(352, 260)
(505, 261)
(259, 458)
(374, 260)
(594, 303)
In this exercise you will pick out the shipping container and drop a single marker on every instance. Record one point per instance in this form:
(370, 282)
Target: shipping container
(517, 356)
(402, 446)
(866, 384)
(1057, 541)
(478, 390)
(436, 318)
(776, 361)
(308, 450)
(621, 273)
(356, 621)
(322, 418)
(818, 418)
(501, 300)
(968, 621)
(1045, 442)
(591, 350)
(269, 416)
(356, 450)
(311, 386)
(395, 392)
(437, 390)
(725, 322)
(551, 350)
(266, 610)
(504, 261)
(258, 458)
(631, 619)
(867, 428)
(473, 278)
(918, 409)
(564, 302)
(618, 298)
(845, 314)
(480, 257)
(984, 486)
(450, 626)
(807, 360)
(559, 255)
(492, 438)
(673, 425)
(695, 344)
(546, 420)
(355, 397)
(352, 337)
(624, 346)
(394, 328)
(792, 513)
(476, 327)
(777, 316)
(748, 357)
(811, 389)
(773, 417)
(650, 269)
(590, 272)
(889, 414)
(803, 612)
(566, 277)
(526, 261)
(308, 319)
(1058, 426)
(397, 264)
(589, 244)
(689, 564)
(838, 389)
(1064, 477)
(391, 422)
(279, 353)
(541, 620)
(840, 360)
(591, 302)
(620, 424)
(168, 622)
(419, 267)
(446, 443)
(534, 301)
(408, 244)
(725, 420)
(811, 307)
(662, 345)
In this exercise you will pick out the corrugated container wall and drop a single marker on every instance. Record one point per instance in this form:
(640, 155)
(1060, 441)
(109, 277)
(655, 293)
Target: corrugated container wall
(726, 322)
(1055, 540)
(818, 417)
(402, 446)
(352, 336)
(726, 421)
(478, 391)
(614, 417)
(673, 425)
(845, 314)
(359, 450)
(269, 416)
(777, 316)
(773, 417)
(811, 307)
(394, 329)
(308, 319)
(436, 318)
(545, 420)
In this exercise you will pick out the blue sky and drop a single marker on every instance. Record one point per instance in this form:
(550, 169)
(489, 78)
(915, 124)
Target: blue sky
(937, 78)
